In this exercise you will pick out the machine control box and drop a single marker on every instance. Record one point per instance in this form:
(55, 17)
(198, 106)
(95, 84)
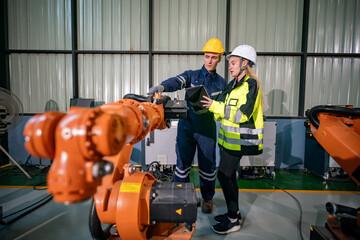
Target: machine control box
(173, 202)
(175, 109)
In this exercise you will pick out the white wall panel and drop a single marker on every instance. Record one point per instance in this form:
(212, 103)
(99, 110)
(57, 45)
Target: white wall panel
(39, 24)
(280, 79)
(166, 66)
(113, 25)
(267, 25)
(38, 78)
(334, 26)
(332, 81)
(109, 77)
(186, 25)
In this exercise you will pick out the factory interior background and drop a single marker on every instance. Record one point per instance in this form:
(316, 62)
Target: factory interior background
(55, 52)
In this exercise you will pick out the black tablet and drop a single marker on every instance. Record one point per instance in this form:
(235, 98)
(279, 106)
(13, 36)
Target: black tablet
(194, 95)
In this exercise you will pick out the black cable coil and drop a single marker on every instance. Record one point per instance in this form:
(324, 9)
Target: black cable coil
(344, 111)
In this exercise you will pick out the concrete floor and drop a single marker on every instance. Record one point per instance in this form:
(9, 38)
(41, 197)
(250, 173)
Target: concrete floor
(267, 215)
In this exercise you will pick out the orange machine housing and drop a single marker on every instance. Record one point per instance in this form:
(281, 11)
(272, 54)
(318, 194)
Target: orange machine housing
(91, 149)
(337, 129)
(339, 135)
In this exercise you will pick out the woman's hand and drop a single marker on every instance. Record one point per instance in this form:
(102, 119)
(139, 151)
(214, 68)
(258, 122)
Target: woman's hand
(206, 101)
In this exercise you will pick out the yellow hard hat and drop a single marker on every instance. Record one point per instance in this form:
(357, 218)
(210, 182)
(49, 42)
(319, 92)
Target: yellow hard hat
(214, 45)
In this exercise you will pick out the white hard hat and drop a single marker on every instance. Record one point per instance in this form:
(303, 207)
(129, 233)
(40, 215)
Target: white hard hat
(245, 51)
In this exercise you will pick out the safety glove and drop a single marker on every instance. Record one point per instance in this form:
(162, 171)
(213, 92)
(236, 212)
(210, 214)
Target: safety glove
(156, 89)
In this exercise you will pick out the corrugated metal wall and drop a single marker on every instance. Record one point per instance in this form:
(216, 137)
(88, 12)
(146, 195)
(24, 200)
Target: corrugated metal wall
(181, 25)
(38, 78)
(280, 79)
(109, 77)
(186, 25)
(267, 25)
(113, 25)
(39, 24)
(332, 80)
(334, 27)
(272, 26)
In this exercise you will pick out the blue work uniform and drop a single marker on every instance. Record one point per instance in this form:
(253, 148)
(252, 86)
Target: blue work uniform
(197, 130)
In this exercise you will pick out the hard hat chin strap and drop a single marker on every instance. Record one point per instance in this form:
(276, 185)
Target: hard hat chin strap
(242, 69)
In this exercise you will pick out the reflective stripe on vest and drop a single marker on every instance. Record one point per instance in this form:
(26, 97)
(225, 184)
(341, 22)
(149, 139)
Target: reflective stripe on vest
(237, 117)
(242, 130)
(244, 142)
(227, 112)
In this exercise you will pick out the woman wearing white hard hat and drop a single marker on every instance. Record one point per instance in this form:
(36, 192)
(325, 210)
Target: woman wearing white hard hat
(239, 111)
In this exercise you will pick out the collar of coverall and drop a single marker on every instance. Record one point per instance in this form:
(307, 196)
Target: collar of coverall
(206, 72)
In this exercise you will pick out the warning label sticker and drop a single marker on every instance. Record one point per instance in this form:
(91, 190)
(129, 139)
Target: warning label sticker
(178, 211)
(130, 187)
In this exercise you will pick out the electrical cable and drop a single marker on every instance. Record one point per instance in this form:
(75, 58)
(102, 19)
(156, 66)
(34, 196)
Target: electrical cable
(139, 98)
(28, 159)
(33, 207)
(29, 162)
(154, 169)
(296, 200)
(167, 174)
(344, 111)
(27, 207)
(161, 172)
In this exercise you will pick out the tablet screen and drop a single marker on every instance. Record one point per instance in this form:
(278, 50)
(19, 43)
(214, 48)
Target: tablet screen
(194, 95)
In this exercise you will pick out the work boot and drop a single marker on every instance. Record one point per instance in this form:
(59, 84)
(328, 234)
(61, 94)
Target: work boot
(207, 206)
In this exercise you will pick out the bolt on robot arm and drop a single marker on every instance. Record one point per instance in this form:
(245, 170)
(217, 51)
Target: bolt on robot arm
(91, 149)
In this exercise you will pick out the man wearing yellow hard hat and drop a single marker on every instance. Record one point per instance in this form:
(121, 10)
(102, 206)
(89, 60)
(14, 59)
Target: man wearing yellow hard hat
(198, 131)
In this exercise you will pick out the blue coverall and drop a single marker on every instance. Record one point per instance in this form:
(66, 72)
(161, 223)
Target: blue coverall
(197, 130)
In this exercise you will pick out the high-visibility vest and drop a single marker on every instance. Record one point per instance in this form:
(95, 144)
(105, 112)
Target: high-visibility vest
(238, 128)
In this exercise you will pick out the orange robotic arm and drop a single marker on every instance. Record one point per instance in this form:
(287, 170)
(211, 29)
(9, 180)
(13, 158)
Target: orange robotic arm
(337, 129)
(91, 149)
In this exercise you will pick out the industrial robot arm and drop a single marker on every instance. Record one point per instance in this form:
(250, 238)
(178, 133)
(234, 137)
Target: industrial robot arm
(337, 129)
(91, 149)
